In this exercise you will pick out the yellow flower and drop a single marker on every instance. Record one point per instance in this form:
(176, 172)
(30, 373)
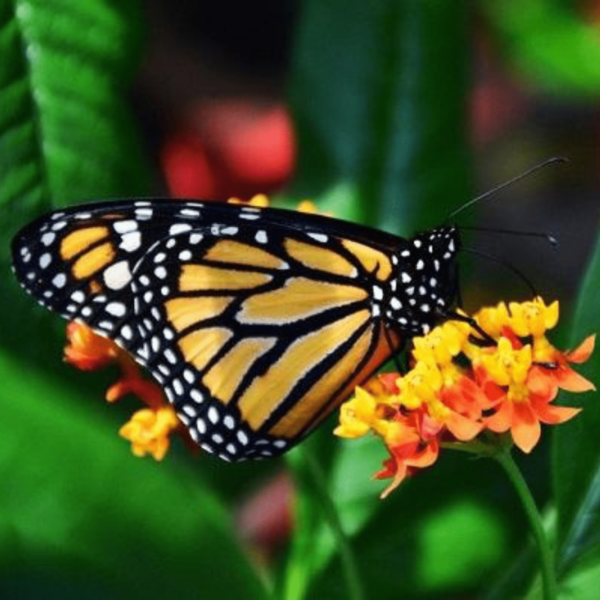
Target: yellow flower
(420, 385)
(459, 388)
(258, 200)
(148, 431)
(533, 318)
(364, 413)
(508, 366)
(493, 319)
(307, 206)
(356, 415)
(443, 344)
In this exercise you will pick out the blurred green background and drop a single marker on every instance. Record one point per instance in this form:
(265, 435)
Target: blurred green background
(387, 112)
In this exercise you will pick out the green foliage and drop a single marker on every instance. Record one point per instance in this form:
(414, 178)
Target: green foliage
(379, 92)
(550, 43)
(78, 507)
(65, 131)
(365, 89)
(577, 453)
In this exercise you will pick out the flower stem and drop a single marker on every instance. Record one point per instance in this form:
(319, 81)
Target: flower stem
(546, 557)
(350, 568)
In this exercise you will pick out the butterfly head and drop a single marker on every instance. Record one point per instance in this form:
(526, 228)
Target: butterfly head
(426, 283)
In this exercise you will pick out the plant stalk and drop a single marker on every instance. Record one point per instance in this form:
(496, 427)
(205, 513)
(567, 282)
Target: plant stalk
(546, 556)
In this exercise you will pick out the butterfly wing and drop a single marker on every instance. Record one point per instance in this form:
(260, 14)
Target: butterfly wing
(256, 322)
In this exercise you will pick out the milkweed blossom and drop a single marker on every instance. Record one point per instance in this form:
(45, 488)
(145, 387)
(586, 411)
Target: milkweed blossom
(461, 386)
(149, 429)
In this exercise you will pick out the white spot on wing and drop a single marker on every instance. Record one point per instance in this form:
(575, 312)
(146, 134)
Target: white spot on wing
(131, 241)
(117, 309)
(117, 276)
(261, 237)
(189, 212)
(125, 226)
(59, 280)
(318, 237)
(45, 260)
(179, 228)
(48, 238)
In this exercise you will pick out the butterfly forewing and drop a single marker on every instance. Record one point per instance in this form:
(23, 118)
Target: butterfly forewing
(256, 322)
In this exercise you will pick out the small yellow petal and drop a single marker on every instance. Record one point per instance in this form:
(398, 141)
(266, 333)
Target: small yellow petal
(307, 206)
(492, 320)
(533, 318)
(507, 365)
(148, 431)
(419, 385)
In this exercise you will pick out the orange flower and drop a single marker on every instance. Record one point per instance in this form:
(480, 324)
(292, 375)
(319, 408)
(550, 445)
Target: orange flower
(456, 389)
(149, 429)
(87, 350)
(552, 368)
(523, 414)
(416, 447)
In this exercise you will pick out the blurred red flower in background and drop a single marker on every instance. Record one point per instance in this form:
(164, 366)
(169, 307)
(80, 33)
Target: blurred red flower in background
(230, 148)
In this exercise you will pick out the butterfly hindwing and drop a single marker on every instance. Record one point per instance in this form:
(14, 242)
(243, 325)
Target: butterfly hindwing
(261, 327)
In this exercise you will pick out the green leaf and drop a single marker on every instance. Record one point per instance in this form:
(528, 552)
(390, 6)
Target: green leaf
(576, 459)
(77, 506)
(340, 479)
(583, 582)
(378, 92)
(441, 534)
(65, 129)
(552, 45)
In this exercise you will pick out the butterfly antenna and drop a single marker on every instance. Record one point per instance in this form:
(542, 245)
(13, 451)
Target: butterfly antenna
(548, 237)
(504, 264)
(512, 181)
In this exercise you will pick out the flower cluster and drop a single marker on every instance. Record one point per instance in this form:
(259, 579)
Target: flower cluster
(149, 429)
(462, 385)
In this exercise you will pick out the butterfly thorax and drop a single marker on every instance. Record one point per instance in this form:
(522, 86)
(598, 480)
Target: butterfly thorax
(425, 286)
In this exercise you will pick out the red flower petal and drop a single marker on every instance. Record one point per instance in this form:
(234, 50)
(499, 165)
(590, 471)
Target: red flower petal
(583, 351)
(552, 414)
(571, 381)
(525, 428)
(502, 419)
(542, 382)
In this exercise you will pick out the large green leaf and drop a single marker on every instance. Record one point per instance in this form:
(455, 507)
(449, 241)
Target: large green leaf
(76, 506)
(576, 448)
(65, 131)
(378, 92)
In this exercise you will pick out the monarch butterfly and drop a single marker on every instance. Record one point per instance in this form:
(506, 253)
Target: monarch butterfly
(256, 322)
